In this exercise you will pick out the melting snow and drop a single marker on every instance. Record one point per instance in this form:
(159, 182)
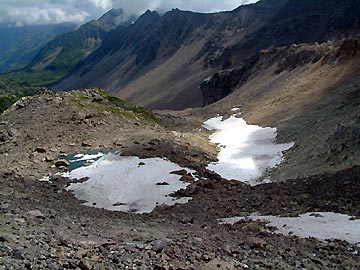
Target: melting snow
(246, 151)
(82, 157)
(321, 225)
(123, 184)
(45, 179)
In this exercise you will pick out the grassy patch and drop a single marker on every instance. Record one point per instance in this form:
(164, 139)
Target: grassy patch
(7, 101)
(35, 78)
(118, 107)
(127, 106)
(11, 91)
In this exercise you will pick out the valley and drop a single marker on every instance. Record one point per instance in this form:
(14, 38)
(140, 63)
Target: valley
(225, 140)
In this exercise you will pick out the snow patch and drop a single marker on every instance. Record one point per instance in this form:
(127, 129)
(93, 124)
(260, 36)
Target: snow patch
(87, 157)
(246, 151)
(45, 179)
(320, 225)
(124, 184)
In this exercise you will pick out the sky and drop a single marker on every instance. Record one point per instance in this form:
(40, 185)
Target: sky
(37, 12)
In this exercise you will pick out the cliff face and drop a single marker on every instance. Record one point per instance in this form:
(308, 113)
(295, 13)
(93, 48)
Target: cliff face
(219, 85)
(283, 59)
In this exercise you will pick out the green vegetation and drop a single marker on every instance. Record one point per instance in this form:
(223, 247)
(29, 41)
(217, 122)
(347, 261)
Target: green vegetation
(119, 107)
(20, 44)
(36, 78)
(61, 55)
(11, 91)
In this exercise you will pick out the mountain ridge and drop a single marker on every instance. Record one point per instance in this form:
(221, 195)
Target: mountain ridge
(212, 42)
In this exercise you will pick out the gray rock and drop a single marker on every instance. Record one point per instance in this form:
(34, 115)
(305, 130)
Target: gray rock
(19, 104)
(4, 239)
(18, 254)
(86, 144)
(4, 207)
(52, 266)
(257, 243)
(162, 184)
(62, 163)
(218, 264)
(105, 235)
(35, 214)
(84, 265)
(140, 246)
(179, 172)
(4, 137)
(40, 150)
(116, 259)
(12, 132)
(158, 245)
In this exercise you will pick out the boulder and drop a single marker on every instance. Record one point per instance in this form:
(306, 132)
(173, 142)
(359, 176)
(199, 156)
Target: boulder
(179, 172)
(158, 245)
(33, 214)
(62, 163)
(40, 150)
(4, 137)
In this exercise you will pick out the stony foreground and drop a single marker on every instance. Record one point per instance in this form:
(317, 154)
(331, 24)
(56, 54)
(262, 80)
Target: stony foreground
(42, 226)
(45, 227)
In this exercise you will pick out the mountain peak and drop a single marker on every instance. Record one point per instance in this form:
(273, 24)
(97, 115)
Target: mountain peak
(114, 17)
(148, 16)
(150, 13)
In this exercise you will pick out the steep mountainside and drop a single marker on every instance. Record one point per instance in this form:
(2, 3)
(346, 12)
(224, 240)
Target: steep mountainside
(297, 22)
(133, 51)
(20, 44)
(310, 92)
(61, 55)
(184, 48)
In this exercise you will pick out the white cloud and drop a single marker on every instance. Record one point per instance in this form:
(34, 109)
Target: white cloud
(39, 15)
(27, 12)
(103, 4)
(164, 5)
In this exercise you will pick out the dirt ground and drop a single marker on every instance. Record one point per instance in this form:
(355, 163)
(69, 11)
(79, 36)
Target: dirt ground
(43, 226)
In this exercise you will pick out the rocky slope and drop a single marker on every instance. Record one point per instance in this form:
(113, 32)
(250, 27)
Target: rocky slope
(44, 227)
(282, 61)
(184, 48)
(308, 91)
(71, 122)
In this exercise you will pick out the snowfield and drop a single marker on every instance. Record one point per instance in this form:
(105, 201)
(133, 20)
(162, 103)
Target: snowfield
(246, 151)
(320, 225)
(138, 185)
(128, 183)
